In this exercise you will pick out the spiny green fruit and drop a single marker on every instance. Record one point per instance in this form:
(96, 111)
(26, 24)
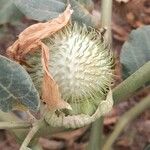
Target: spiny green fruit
(81, 64)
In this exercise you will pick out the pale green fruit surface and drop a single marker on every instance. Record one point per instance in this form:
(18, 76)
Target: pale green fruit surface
(80, 63)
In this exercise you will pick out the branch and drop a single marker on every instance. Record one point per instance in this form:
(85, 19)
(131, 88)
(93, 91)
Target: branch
(96, 135)
(14, 125)
(132, 83)
(31, 134)
(106, 14)
(19, 134)
(125, 119)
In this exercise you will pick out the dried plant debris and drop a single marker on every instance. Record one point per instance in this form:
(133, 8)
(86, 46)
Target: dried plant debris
(124, 1)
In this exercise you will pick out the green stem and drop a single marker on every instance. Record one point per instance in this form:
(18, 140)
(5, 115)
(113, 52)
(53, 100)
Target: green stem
(96, 136)
(14, 125)
(132, 83)
(106, 14)
(18, 133)
(125, 119)
(31, 134)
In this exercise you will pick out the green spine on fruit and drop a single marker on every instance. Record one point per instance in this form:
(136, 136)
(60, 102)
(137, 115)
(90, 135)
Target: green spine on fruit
(81, 64)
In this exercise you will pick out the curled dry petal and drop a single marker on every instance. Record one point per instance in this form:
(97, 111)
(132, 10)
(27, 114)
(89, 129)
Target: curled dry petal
(124, 1)
(50, 92)
(30, 40)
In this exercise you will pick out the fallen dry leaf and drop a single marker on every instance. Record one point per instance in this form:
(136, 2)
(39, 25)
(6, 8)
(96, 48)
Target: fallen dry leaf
(30, 40)
(70, 135)
(119, 33)
(125, 1)
(51, 144)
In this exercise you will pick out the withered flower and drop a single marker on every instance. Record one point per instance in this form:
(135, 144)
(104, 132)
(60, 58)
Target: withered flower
(74, 76)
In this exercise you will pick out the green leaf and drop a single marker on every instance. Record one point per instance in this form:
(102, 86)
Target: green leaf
(81, 14)
(44, 10)
(40, 10)
(135, 51)
(147, 147)
(9, 12)
(89, 4)
(16, 87)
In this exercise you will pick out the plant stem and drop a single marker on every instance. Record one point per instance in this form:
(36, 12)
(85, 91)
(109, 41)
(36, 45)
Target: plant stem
(122, 91)
(31, 134)
(18, 133)
(96, 136)
(125, 119)
(132, 83)
(106, 14)
(14, 125)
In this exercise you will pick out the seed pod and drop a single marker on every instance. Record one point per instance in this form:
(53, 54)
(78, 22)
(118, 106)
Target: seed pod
(81, 64)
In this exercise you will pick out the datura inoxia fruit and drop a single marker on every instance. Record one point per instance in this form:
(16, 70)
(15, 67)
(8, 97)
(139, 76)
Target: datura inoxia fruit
(81, 64)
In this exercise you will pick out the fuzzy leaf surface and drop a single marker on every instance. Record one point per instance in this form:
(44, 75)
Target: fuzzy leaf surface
(16, 87)
(48, 9)
(9, 12)
(135, 51)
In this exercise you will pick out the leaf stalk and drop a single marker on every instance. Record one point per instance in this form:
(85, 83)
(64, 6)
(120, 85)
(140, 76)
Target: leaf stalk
(14, 125)
(31, 134)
